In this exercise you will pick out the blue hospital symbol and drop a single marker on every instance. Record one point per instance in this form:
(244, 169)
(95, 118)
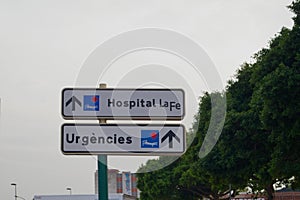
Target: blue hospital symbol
(149, 139)
(91, 102)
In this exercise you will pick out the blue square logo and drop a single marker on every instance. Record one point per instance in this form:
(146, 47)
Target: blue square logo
(149, 139)
(91, 102)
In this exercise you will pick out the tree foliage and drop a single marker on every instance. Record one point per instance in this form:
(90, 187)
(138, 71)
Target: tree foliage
(260, 141)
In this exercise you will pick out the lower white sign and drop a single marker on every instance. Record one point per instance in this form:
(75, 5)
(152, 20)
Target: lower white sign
(121, 139)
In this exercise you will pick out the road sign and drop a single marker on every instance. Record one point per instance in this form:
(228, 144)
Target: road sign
(122, 139)
(139, 104)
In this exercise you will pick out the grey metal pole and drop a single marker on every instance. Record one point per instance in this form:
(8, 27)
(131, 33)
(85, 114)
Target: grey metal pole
(102, 167)
(15, 185)
(70, 189)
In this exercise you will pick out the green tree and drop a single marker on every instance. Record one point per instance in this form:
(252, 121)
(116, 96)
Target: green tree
(277, 101)
(260, 142)
(195, 177)
(186, 178)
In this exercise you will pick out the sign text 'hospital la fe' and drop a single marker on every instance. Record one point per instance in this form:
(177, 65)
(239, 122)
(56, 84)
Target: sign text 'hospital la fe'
(91, 103)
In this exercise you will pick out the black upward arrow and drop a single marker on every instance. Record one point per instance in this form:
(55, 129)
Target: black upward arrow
(73, 100)
(170, 135)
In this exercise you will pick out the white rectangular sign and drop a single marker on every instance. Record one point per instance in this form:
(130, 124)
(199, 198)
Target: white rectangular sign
(92, 103)
(122, 139)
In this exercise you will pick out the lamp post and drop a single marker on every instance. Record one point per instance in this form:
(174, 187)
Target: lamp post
(70, 189)
(16, 196)
(15, 185)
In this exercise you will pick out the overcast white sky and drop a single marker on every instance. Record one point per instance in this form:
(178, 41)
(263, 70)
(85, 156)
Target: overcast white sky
(43, 45)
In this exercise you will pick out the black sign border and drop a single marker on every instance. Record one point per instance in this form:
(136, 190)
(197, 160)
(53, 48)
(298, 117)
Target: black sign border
(123, 117)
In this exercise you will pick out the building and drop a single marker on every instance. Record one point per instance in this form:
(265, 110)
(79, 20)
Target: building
(287, 194)
(82, 197)
(284, 194)
(119, 182)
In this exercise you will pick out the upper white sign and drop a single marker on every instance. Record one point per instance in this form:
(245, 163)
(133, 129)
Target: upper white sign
(94, 103)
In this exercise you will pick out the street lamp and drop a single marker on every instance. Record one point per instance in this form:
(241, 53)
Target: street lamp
(15, 185)
(16, 196)
(70, 189)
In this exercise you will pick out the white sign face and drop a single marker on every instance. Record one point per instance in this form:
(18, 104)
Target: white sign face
(88, 103)
(122, 139)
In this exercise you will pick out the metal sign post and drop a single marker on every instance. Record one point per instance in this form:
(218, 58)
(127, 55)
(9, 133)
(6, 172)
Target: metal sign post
(102, 169)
